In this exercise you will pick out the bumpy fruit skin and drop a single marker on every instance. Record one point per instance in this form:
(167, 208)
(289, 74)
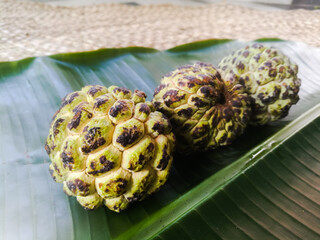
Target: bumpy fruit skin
(109, 146)
(269, 77)
(204, 112)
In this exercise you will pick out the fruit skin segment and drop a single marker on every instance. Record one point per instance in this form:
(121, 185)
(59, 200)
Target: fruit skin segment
(109, 146)
(204, 111)
(269, 77)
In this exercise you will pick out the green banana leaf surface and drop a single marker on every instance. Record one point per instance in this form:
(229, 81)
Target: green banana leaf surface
(266, 185)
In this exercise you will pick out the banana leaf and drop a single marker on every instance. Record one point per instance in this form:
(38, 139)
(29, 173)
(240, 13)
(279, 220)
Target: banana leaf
(266, 185)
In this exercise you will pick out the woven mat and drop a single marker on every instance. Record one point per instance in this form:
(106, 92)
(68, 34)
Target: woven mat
(33, 29)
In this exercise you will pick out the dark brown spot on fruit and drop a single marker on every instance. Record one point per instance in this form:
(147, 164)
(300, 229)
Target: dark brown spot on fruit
(75, 121)
(90, 136)
(245, 54)
(121, 89)
(272, 72)
(120, 107)
(200, 131)
(268, 64)
(236, 103)
(47, 148)
(181, 83)
(70, 100)
(291, 71)
(56, 168)
(242, 81)
(118, 186)
(277, 60)
(187, 112)
(67, 160)
(205, 79)
(281, 69)
(93, 90)
(56, 125)
(78, 184)
(230, 128)
(103, 159)
(227, 114)
(163, 163)
(128, 136)
(135, 197)
(192, 81)
(172, 96)
(107, 166)
(207, 91)
(198, 102)
(140, 93)
(93, 165)
(156, 104)
(101, 170)
(183, 67)
(285, 111)
(257, 45)
(203, 64)
(144, 108)
(55, 114)
(240, 66)
(158, 127)
(99, 102)
(222, 139)
(257, 57)
(141, 159)
(93, 145)
(269, 99)
(150, 147)
(168, 74)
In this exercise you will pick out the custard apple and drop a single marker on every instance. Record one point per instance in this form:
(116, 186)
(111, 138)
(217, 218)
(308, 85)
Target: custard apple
(269, 77)
(204, 111)
(109, 146)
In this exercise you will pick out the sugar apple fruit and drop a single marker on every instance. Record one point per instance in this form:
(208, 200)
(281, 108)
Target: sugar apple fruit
(109, 146)
(269, 77)
(204, 111)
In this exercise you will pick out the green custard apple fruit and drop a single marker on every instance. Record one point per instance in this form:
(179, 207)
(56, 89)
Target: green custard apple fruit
(109, 146)
(269, 77)
(204, 112)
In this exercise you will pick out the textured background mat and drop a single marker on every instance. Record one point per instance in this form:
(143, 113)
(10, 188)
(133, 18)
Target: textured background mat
(33, 29)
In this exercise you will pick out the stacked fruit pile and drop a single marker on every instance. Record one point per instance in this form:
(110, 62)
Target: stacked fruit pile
(111, 146)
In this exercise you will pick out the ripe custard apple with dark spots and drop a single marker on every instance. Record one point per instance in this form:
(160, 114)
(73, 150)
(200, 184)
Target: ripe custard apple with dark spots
(109, 146)
(204, 111)
(269, 77)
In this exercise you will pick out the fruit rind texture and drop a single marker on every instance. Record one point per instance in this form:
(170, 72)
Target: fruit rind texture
(269, 77)
(204, 111)
(109, 146)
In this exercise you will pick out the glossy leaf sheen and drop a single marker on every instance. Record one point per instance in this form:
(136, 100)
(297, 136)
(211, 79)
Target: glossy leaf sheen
(264, 186)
